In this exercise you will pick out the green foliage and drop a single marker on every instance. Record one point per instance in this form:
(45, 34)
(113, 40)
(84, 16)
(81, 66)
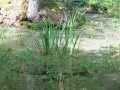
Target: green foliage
(80, 18)
(28, 24)
(55, 41)
(72, 4)
(50, 70)
(3, 56)
(70, 25)
(31, 24)
(49, 4)
(48, 37)
(105, 6)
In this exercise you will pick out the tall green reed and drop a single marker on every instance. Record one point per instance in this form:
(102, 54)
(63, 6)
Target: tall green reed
(58, 39)
(48, 36)
(70, 39)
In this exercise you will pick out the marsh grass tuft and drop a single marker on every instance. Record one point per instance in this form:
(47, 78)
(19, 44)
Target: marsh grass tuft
(58, 39)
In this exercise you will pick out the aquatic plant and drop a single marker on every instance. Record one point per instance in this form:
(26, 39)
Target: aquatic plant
(54, 40)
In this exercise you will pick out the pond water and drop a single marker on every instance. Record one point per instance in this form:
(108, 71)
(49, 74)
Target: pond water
(90, 68)
(59, 75)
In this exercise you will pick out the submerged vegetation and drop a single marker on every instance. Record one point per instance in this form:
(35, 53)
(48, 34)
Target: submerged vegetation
(28, 66)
